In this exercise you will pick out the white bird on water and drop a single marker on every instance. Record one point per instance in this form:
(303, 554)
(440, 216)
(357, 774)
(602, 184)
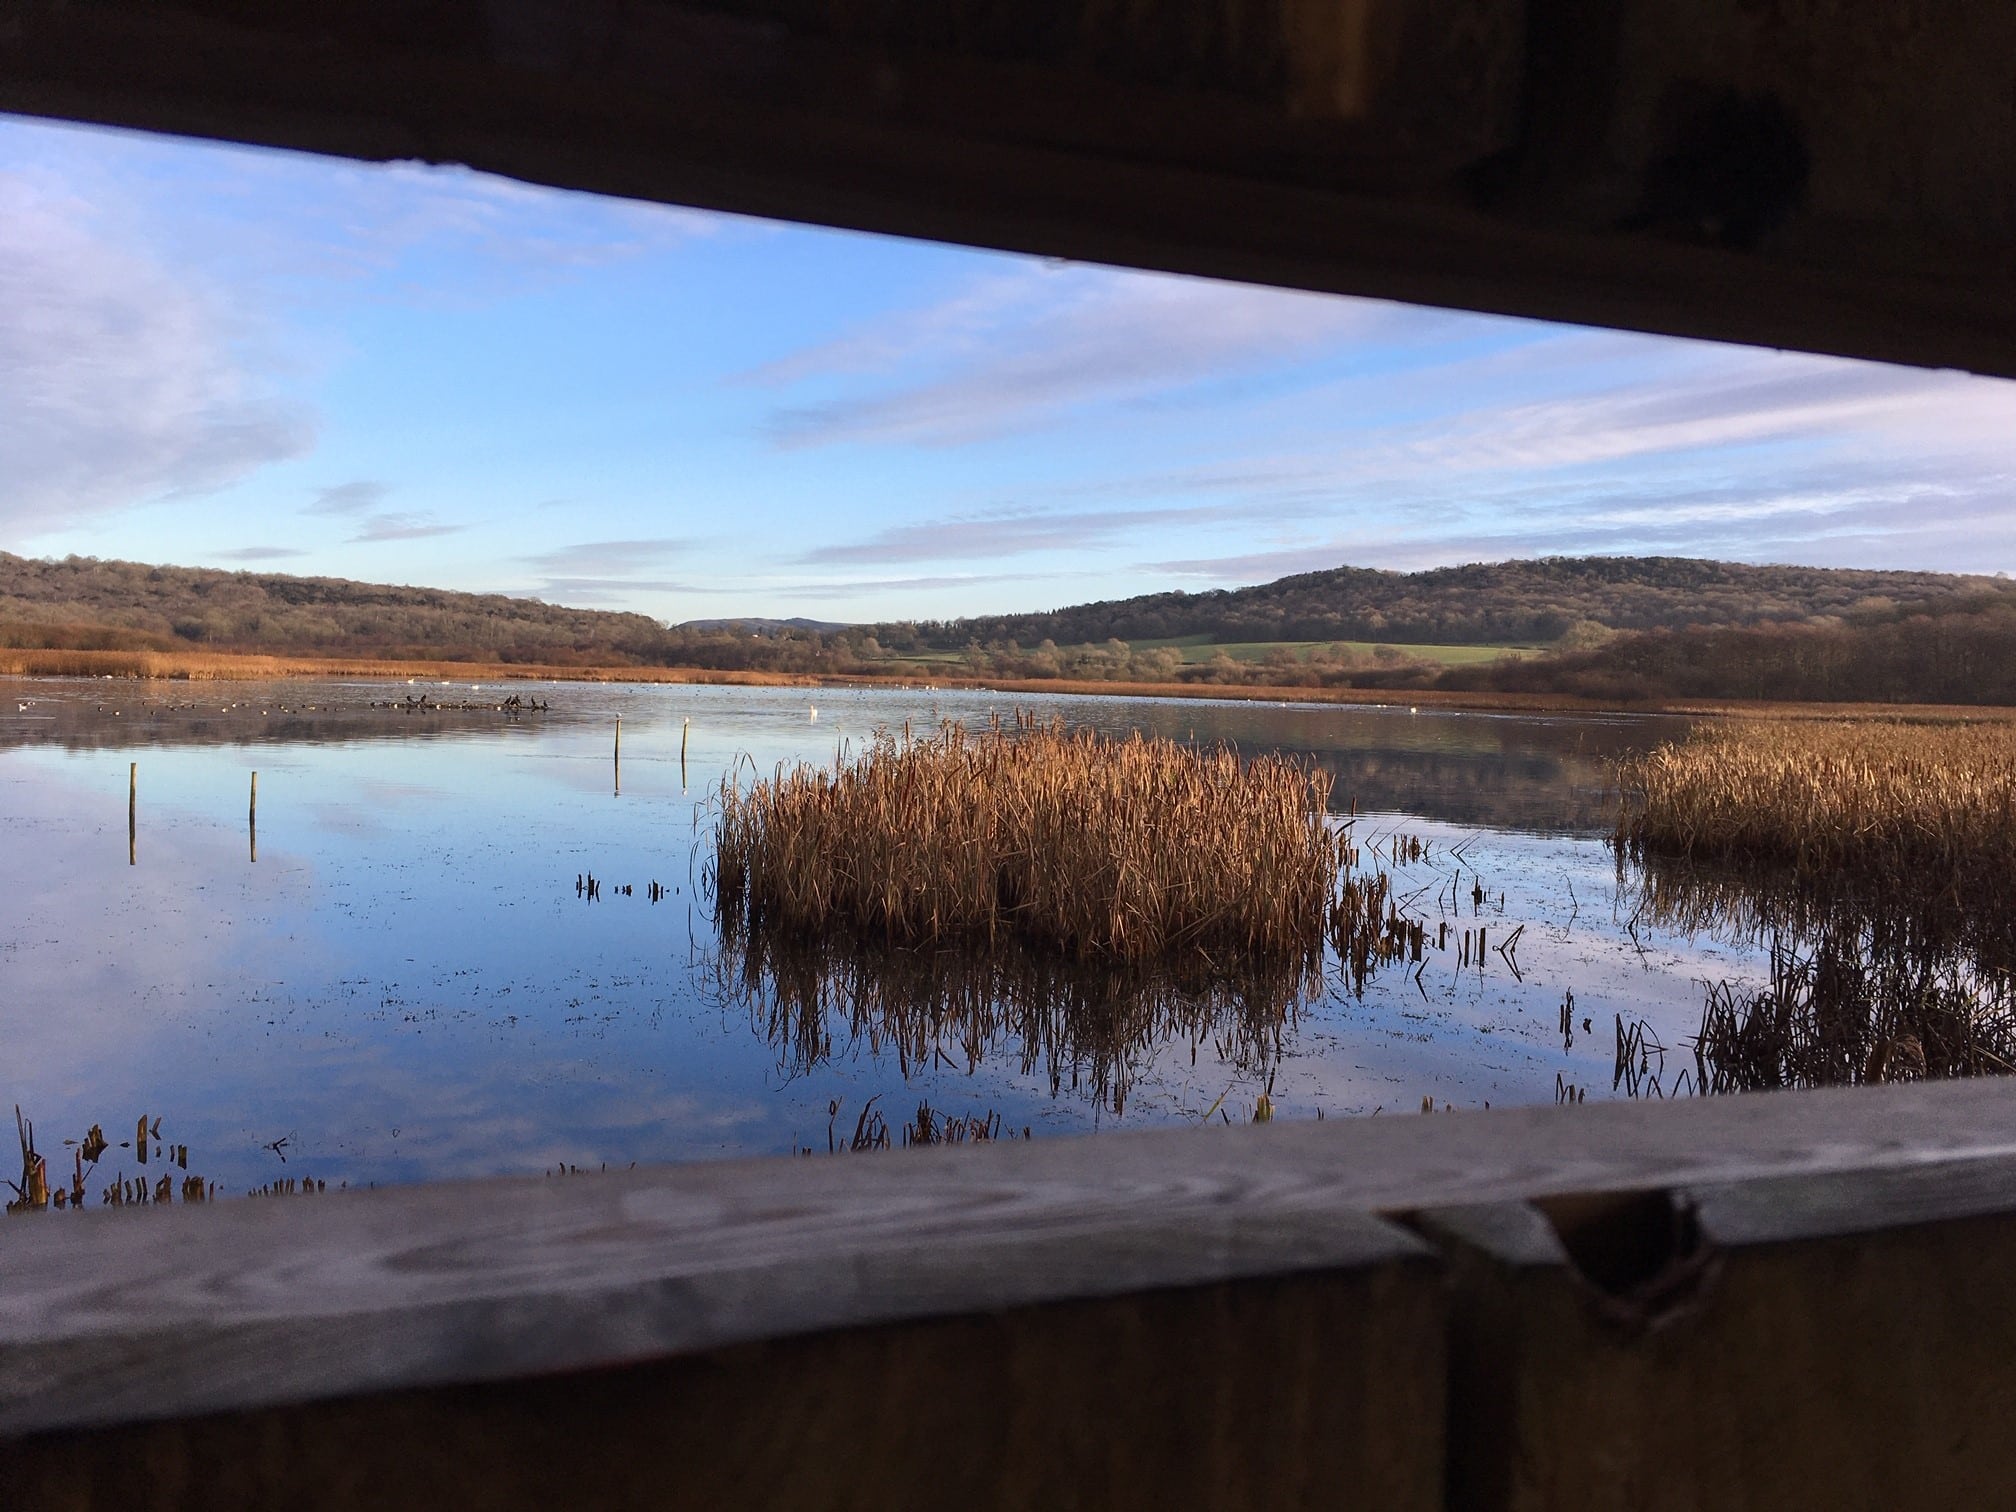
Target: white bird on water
(813, 710)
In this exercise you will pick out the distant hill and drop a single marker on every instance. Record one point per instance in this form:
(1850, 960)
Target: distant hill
(132, 604)
(1628, 628)
(1529, 602)
(757, 625)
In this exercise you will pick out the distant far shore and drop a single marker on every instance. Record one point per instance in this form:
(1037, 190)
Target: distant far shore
(210, 666)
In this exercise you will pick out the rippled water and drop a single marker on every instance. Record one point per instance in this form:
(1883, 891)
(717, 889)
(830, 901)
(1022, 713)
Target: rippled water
(404, 984)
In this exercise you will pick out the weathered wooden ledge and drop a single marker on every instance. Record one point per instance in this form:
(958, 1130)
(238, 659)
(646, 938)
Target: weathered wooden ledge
(1716, 1302)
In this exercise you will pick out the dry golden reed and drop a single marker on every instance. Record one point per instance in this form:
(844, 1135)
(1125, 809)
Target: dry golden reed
(1929, 806)
(1119, 849)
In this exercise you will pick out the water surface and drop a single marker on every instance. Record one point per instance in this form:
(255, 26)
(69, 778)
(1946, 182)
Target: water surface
(405, 984)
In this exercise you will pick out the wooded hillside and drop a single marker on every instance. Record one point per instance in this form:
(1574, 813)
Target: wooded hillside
(86, 602)
(1523, 602)
(1966, 655)
(1627, 629)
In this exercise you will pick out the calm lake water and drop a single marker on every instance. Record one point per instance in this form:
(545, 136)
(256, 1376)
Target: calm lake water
(405, 984)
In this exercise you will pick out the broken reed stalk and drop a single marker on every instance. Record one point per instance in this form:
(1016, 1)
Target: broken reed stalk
(1929, 807)
(33, 1192)
(1118, 849)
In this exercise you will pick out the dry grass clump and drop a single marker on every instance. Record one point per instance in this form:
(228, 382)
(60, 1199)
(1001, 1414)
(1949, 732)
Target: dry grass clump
(1091, 847)
(1927, 806)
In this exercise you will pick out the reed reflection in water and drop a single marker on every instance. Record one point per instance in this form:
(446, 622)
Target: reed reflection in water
(1866, 984)
(1080, 1025)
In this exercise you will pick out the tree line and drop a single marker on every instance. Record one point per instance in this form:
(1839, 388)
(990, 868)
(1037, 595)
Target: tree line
(1624, 629)
(1535, 602)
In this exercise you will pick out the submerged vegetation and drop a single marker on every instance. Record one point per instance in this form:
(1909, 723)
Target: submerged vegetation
(1123, 850)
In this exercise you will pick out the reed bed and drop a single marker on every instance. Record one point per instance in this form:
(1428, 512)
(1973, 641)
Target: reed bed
(1930, 808)
(1095, 848)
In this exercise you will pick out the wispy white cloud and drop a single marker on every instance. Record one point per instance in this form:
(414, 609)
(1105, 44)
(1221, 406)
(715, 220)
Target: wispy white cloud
(1435, 447)
(360, 497)
(856, 587)
(415, 231)
(1899, 515)
(1027, 350)
(120, 382)
(361, 501)
(614, 590)
(400, 527)
(1023, 532)
(612, 572)
(609, 558)
(260, 554)
(1734, 398)
(959, 326)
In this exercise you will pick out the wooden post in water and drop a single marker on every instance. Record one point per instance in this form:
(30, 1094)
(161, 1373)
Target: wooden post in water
(685, 729)
(133, 813)
(252, 820)
(619, 755)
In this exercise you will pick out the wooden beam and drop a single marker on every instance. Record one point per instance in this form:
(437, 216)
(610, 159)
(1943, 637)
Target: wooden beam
(1725, 170)
(1802, 1341)
(1257, 1317)
(119, 1314)
(1157, 1399)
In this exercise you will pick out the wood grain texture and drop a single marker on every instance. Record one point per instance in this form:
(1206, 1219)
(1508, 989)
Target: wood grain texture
(112, 1315)
(1550, 159)
(1839, 1340)
(1309, 1392)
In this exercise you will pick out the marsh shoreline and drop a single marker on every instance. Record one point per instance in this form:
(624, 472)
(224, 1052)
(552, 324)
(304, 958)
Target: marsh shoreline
(164, 666)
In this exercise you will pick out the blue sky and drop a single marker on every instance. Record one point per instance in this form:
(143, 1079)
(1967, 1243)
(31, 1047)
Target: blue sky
(221, 357)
